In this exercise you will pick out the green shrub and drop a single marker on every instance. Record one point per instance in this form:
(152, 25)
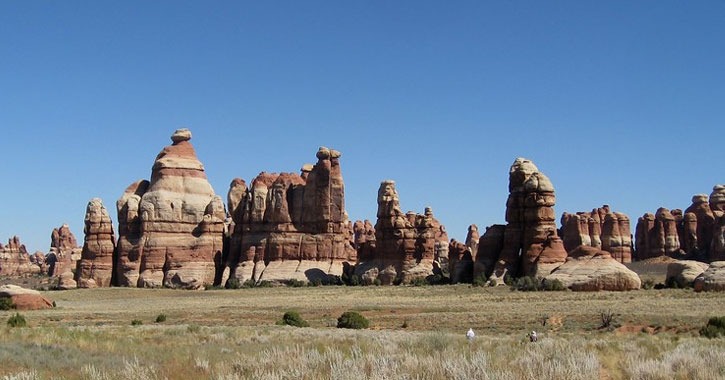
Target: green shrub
(405, 324)
(296, 283)
(526, 284)
(438, 279)
(648, 284)
(233, 283)
(264, 284)
(136, 322)
(352, 320)
(161, 318)
(492, 282)
(17, 320)
(293, 318)
(508, 280)
(352, 280)
(420, 281)
(479, 281)
(377, 282)
(715, 328)
(552, 285)
(211, 287)
(6, 303)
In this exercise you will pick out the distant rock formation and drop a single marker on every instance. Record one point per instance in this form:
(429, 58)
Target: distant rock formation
(170, 228)
(95, 267)
(602, 229)
(290, 227)
(15, 260)
(530, 243)
(64, 254)
(656, 236)
(590, 269)
(407, 245)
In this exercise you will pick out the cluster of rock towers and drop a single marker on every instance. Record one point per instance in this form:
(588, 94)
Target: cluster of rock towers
(174, 231)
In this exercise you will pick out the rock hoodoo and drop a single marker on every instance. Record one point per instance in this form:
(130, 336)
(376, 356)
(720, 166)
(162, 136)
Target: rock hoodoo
(407, 245)
(15, 260)
(95, 267)
(656, 236)
(63, 256)
(290, 227)
(171, 227)
(602, 229)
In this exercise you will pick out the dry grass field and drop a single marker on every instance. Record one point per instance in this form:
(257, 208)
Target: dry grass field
(416, 333)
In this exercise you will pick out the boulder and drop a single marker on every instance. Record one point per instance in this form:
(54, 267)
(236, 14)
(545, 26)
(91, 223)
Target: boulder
(591, 269)
(712, 279)
(684, 272)
(95, 268)
(25, 299)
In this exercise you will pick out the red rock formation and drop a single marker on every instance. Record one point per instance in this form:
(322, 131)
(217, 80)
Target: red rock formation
(25, 299)
(489, 247)
(95, 267)
(407, 246)
(704, 222)
(472, 238)
(180, 223)
(15, 260)
(291, 227)
(602, 229)
(717, 199)
(530, 239)
(64, 253)
(460, 262)
(657, 236)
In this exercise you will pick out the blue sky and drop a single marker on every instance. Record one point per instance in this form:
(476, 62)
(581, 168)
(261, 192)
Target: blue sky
(617, 102)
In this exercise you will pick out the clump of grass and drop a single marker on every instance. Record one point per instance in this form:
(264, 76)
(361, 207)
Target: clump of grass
(648, 284)
(552, 285)
(293, 318)
(161, 318)
(420, 281)
(405, 324)
(352, 320)
(136, 322)
(17, 320)
(608, 319)
(6, 303)
(193, 329)
(715, 328)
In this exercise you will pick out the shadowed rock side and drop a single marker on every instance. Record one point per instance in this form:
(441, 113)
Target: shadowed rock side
(602, 229)
(15, 260)
(405, 247)
(170, 228)
(63, 256)
(530, 245)
(95, 267)
(712, 279)
(684, 272)
(656, 236)
(290, 227)
(590, 269)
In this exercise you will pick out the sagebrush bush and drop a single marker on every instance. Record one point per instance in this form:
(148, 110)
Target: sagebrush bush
(136, 322)
(526, 284)
(715, 328)
(17, 320)
(233, 283)
(648, 284)
(6, 303)
(161, 318)
(420, 281)
(296, 283)
(480, 281)
(293, 318)
(552, 285)
(352, 320)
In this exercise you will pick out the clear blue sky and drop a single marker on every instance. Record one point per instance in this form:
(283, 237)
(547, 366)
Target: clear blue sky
(617, 102)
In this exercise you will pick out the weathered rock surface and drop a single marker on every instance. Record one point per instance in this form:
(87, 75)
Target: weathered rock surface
(591, 269)
(472, 238)
(407, 246)
(530, 240)
(64, 252)
(95, 267)
(657, 235)
(291, 227)
(25, 299)
(170, 228)
(489, 248)
(712, 279)
(684, 272)
(601, 228)
(15, 260)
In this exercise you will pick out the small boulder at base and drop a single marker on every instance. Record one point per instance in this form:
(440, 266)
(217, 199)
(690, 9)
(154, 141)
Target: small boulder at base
(712, 279)
(684, 272)
(25, 299)
(591, 269)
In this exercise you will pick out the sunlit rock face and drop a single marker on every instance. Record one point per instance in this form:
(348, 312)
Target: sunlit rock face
(95, 268)
(171, 228)
(64, 254)
(290, 226)
(601, 228)
(15, 260)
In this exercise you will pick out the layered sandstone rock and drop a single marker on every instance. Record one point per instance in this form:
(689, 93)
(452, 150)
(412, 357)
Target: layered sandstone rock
(170, 228)
(460, 262)
(591, 269)
(712, 279)
(472, 238)
(601, 228)
(95, 267)
(25, 299)
(407, 246)
(657, 235)
(291, 227)
(489, 248)
(64, 254)
(531, 245)
(704, 221)
(684, 272)
(15, 260)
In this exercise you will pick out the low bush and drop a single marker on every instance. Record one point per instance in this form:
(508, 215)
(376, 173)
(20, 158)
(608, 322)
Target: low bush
(648, 284)
(351, 280)
(6, 303)
(526, 284)
(420, 281)
(136, 322)
(352, 320)
(552, 285)
(296, 283)
(608, 320)
(480, 281)
(17, 320)
(715, 328)
(161, 318)
(293, 318)
(233, 283)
